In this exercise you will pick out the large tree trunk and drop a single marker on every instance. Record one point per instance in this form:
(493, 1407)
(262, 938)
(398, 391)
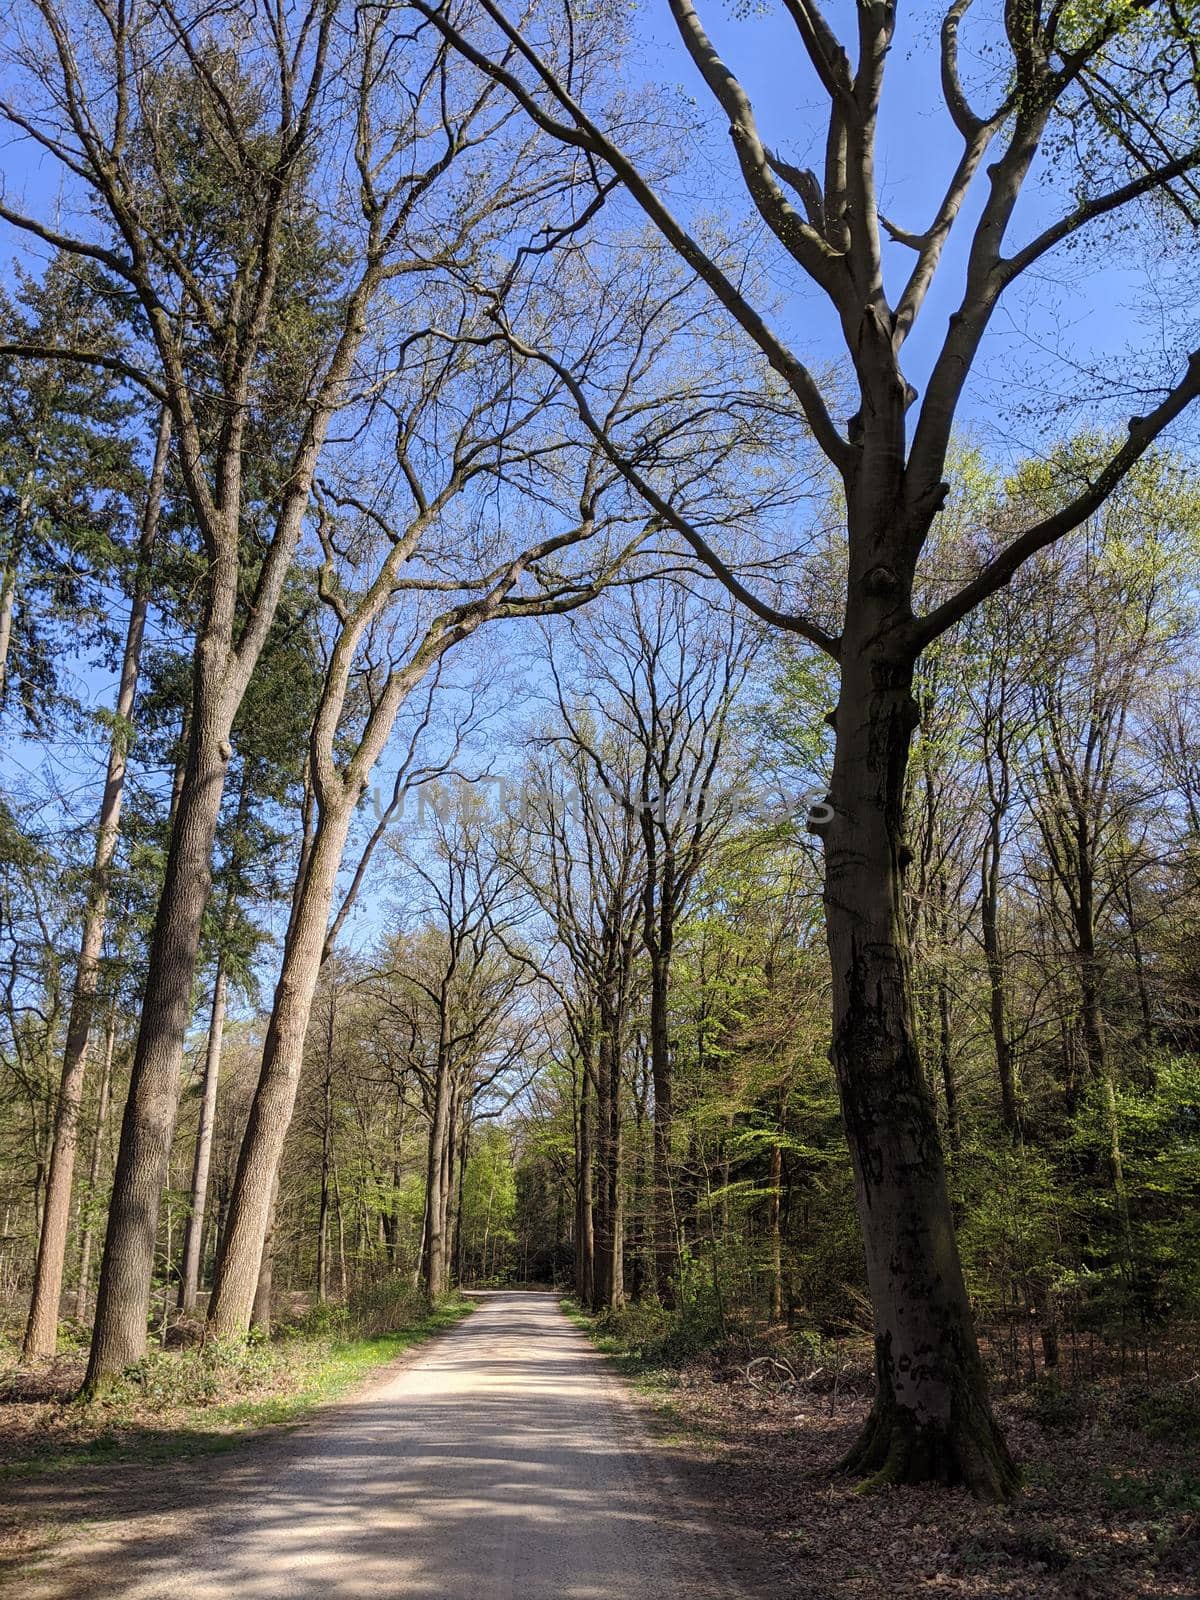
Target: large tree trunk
(279, 1078)
(223, 666)
(666, 1252)
(585, 1241)
(260, 1316)
(1010, 1108)
(190, 1281)
(439, 1134)
(193, 1252)
(147, 1128)
(41, 1333)
(931, 1418)
(88, 1235)
(608, 1287)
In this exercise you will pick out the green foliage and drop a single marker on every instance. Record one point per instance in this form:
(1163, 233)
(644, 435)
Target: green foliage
(1154, 1491)
(70, 484)
(639, 1331)
(325, 1319)
(1057, 1407)
(1029, 1542)
(1167, 1411)
(490, 1197)
(385, 1307)
(700, 1318)
(215, 1370)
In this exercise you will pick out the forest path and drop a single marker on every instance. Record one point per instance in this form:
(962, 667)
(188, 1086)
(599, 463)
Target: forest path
(505, 1462)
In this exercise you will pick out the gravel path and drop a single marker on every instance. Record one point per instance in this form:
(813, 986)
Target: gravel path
(503, 1463)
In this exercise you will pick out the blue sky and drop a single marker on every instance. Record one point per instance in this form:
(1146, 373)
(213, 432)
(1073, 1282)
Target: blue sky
(1081, 309)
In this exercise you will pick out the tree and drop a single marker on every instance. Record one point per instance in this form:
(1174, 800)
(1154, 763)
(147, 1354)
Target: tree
(38, 920)
(663, 677)
(205, 174)
(41, 1332)
(423, 534)
(268, 739)
(1101, 79)
(69, 482)
(463, 999)
(390, 650)
(1110, 622)
(581, 855)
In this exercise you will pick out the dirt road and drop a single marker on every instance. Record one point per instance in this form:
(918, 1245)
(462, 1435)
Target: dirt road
(503, 1463)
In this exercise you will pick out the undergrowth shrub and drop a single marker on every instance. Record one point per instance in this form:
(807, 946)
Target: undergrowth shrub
(385, 1307)
(638, 1328)
(328, 1319)
(217, 1370)
(1173, 1490)
(1168, 1411)
(371, 1311)
(1059, 1409)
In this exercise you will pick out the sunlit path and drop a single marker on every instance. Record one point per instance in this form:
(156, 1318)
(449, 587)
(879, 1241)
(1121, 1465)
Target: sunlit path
(503, 1464)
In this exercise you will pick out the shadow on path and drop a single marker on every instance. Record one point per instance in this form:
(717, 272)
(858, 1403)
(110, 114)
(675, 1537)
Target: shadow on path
(501, 1464)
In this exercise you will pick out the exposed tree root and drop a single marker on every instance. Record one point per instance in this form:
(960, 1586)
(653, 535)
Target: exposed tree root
(894, 1449)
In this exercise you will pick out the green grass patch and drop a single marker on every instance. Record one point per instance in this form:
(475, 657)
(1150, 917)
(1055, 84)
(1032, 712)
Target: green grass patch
(621, 1338)
(632, 1338)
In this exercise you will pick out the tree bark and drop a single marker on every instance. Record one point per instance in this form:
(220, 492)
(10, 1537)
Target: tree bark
(439, 1131)
(12, 562)
(260, 1316)
(147, 1128)
(608, 1288)
(666, 1250)
(41, 1332)
(279, 1077)
(8, 600)
(585, 1241)
(225, 659)
(931, 1417)
(190, 1281)
(88, 1235)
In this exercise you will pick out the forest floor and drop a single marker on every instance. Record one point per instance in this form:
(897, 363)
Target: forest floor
(1110, 1506)
(506, 1421)
(177, 1404)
